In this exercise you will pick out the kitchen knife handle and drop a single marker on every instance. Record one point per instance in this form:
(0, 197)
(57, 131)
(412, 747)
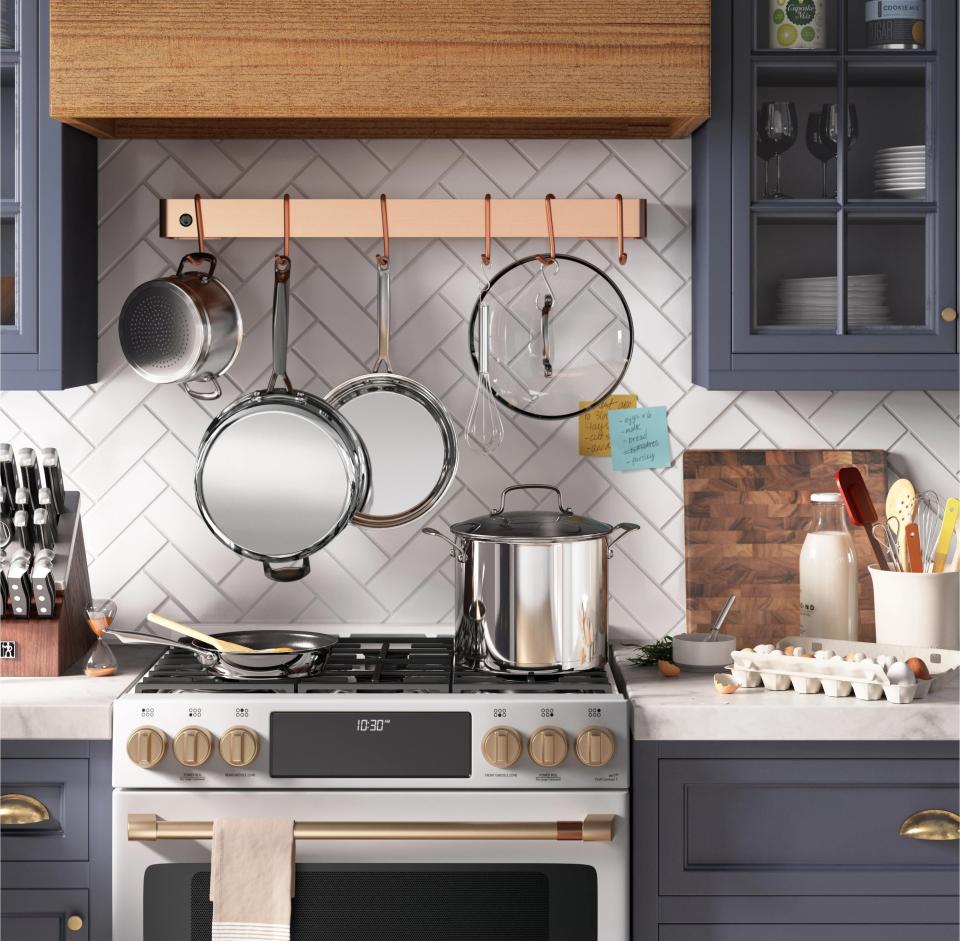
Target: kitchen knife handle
(914, 554)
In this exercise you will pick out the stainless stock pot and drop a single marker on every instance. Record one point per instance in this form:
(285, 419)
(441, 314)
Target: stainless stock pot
(531, 588)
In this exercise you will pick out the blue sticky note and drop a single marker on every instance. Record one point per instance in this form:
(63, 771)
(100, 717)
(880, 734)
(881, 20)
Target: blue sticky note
(639, 438)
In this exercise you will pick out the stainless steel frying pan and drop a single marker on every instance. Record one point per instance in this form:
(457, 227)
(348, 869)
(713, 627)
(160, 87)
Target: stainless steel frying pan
(409, 435)
(305, 659)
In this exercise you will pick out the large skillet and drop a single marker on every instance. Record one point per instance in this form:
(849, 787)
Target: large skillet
(305, 659)
(280, 472)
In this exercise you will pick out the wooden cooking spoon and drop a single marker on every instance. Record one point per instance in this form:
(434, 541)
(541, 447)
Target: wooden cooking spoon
(901, 503)
(860, 508)
(224, 646)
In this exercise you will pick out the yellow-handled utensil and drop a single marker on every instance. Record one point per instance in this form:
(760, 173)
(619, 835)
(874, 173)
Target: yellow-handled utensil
(950, 512)
(224, 646)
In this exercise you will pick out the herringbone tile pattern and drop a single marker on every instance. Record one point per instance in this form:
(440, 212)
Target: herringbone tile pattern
(130, 446)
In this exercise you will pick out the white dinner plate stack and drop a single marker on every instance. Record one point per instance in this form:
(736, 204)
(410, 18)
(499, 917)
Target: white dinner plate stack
(812, 302)
(901, 171)
(6, 26)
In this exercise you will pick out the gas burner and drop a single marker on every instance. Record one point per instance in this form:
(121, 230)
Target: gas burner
(590, 681)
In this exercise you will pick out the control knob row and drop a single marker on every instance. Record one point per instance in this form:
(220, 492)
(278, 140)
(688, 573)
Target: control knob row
(193, 746)
(502, 746)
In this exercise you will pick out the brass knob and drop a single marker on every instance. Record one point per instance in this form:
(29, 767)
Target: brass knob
(502, 746)
(74, 923)
(146, 746)
(548, 747)
(595, 746)
(17, 809)
(949, 314)
(193, 746)
(239, 746)
(931, 825)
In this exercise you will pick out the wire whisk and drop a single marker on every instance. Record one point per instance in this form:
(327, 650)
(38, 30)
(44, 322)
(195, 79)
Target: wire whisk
(928, 513)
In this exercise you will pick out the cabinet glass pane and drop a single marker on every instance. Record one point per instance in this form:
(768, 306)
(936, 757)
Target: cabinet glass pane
(8, 272)
(888, 156)
(795, 25)
(8, 24)
(8, 133)
(794, 274)
(886, 273)
(878, 25)
(795, 159)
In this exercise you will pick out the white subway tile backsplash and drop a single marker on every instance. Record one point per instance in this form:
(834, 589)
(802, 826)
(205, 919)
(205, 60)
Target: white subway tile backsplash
(131, 448)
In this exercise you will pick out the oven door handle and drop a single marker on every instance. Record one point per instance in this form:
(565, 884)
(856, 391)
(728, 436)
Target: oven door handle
(594, 828)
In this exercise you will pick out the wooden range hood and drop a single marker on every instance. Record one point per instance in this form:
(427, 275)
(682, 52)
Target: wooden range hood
(391, 68)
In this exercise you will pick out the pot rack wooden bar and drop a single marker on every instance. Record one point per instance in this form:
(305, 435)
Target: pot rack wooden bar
(408, 218)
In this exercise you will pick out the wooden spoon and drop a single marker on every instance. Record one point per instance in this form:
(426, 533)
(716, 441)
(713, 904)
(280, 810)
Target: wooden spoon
(901, 503)
(224, 646)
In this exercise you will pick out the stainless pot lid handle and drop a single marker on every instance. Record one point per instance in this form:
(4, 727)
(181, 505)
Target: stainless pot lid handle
(281, 319)
(626, 528)
(383, 318)
(563, 509)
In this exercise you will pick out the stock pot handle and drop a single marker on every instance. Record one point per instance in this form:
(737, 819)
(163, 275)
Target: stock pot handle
(503, 497)
(455, 550)
(626, 528)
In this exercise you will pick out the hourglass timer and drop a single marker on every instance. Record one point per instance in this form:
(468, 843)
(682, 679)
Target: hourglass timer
(100, 615)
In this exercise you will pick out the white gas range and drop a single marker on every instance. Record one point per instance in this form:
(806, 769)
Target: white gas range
(480, 806)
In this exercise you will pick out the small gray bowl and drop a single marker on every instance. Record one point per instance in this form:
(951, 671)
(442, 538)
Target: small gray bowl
(696, 652)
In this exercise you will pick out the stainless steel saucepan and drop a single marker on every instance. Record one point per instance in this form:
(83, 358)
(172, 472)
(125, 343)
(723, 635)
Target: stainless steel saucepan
(304, 658)
(531, 588)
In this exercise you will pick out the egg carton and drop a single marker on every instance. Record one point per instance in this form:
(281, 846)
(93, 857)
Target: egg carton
(863, 677)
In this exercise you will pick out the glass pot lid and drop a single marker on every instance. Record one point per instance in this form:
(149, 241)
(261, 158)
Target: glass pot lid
(561, 336)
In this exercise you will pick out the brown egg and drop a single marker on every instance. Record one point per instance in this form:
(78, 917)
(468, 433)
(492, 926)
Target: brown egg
(667, 668)
(919, 668)
(788, 650)
(807, 655)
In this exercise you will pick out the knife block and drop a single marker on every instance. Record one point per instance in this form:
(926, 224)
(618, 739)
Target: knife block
(50, 646)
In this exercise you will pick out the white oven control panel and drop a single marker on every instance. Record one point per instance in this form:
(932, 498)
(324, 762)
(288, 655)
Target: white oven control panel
(568, 741)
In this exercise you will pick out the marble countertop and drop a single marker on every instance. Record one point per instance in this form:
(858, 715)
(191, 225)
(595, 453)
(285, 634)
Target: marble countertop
(72, 706)
(687, 707)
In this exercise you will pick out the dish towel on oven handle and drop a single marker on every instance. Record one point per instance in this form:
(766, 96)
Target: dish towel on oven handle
(252, 873)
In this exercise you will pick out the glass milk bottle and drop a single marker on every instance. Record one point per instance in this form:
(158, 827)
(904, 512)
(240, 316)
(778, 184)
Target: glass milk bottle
(828, 574)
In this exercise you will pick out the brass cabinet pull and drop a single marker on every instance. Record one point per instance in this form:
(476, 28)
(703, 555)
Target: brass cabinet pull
(931, 825)
(19, 809)
(594, 828)
(74, 923)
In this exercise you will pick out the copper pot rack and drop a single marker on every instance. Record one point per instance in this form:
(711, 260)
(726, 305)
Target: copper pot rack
(615, 218)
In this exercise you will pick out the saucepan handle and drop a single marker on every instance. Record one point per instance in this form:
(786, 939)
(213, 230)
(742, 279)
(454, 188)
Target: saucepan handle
(503, 497)
(455, 550)
(625, 528)
(198, 258)
(289, 573)
(206, 395)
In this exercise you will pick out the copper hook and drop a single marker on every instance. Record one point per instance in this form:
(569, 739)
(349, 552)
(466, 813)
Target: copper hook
(485, 257)
(286, 225)
(384, 260)
(621, 254)
(198, 213)
(552, 257)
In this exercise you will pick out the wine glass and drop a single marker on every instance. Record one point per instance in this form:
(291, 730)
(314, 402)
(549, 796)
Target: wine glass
(830, 128)
(778, 126)
(822, 149)
(766, 152)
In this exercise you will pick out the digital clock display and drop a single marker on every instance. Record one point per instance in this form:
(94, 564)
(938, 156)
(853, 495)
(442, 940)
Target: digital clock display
(370, 744)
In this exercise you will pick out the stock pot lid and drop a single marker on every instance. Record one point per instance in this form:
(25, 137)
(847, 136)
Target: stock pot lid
(532, 526)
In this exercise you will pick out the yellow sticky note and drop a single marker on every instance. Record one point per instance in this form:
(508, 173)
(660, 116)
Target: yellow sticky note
(595, 427)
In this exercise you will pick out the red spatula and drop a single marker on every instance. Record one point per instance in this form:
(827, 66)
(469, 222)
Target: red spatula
(860, 507)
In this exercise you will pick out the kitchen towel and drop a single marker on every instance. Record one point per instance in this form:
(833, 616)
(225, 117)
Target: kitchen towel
(252, 872)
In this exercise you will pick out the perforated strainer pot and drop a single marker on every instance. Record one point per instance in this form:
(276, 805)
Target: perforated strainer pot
(185, 328)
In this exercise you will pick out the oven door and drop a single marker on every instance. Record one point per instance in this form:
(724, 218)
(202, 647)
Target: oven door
(460, 889)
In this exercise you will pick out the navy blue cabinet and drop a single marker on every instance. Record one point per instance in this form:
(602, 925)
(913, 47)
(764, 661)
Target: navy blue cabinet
(791, 840)
(821, 266)
(48, 220)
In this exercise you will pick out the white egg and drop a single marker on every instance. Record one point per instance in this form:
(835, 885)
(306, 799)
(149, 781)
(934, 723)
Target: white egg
(764, 648)
(823, 655)
(746, 650)
(901, 674)
(836, 657)
(885, 661)
(775, 653)
(855, 657)
(867, 660)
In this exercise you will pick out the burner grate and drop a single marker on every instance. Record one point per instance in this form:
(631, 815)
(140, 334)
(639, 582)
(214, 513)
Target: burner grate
(590, 681)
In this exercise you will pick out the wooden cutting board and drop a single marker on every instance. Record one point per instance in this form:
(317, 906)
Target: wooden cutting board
(746, 514)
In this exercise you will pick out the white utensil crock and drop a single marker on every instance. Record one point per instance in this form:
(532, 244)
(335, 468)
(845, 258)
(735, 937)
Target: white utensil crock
(917, 608)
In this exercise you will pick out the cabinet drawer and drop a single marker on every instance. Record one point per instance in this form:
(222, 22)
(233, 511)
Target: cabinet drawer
(806, 932)
(41, 914)
(62, 786)
(803, 827)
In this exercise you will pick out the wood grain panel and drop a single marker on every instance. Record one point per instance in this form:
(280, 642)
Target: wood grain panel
(410, 68)
(746, 514)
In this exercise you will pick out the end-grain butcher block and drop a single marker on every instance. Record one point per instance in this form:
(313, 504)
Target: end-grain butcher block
(746, 514)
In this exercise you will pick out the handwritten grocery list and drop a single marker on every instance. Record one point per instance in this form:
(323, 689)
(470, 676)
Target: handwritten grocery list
(639, 438)
(594, 427)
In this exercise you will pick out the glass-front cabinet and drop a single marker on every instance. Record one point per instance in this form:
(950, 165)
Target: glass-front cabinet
(48, 219)
(825, 189)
